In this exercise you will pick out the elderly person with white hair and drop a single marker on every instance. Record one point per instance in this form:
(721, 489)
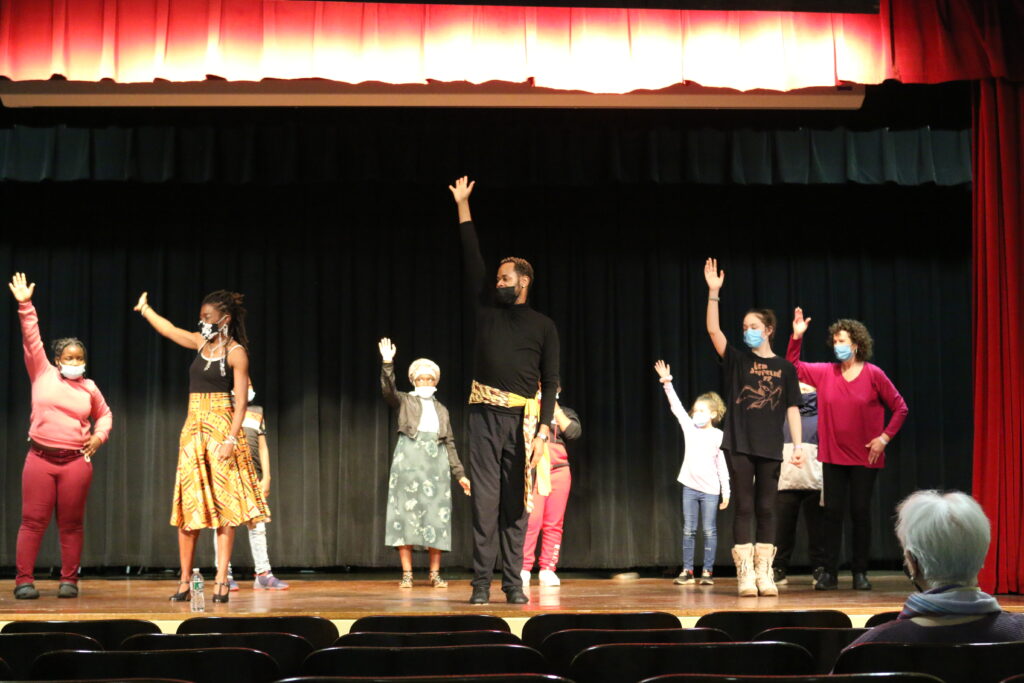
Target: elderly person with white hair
(419, 512)
(945, 538)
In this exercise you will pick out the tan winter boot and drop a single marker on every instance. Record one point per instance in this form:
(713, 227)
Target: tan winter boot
(743, 556)
(764, 553)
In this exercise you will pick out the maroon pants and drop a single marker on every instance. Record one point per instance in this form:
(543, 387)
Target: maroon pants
(48, 483)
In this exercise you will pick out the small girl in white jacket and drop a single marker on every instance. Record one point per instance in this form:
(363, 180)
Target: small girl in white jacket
(704, 475)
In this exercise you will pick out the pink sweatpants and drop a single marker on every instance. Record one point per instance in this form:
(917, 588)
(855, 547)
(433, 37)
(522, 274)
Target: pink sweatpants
(547, 516)
(45, 485)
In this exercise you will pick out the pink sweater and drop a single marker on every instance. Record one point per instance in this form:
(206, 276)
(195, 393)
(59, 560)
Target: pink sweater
(61, 407)
(850, 414)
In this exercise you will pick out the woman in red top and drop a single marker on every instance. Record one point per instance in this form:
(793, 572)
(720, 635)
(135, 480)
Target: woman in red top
(58, 468)
(852, 435)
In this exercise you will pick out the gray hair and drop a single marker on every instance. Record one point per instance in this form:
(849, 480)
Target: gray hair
(947, 533)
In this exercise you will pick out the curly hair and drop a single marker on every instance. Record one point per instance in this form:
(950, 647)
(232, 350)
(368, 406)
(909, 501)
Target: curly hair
(859, 335)
(230, 303)
(59, 345)
(767, 317)
(715, 403)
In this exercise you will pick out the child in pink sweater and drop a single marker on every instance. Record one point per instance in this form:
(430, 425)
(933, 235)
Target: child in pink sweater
(58, 467)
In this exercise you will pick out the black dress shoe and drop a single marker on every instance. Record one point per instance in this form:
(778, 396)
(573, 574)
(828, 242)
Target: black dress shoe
(827, 581)
(68, 589)
(221, 597)
(481, 595)
(183, 596)
(516, 596)
(26, 591)
(860, 581)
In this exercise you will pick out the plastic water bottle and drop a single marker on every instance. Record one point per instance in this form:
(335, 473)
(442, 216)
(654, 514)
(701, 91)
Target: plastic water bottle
(196, 588)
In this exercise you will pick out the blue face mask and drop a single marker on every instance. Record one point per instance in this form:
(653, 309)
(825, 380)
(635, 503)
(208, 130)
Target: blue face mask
(753, 338)
(700, 420)
(843, 351)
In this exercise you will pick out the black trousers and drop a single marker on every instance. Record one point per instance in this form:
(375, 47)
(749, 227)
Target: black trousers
(853, 485)
(755, 485)
(497, 458)
(789, 504)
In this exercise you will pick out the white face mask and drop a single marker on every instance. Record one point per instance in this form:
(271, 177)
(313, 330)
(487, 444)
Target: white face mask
(424, 392)
(252, 394)
(72, 371)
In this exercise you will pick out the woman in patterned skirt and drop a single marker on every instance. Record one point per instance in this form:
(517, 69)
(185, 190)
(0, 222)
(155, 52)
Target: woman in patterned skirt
(419, 488)
(216, 486)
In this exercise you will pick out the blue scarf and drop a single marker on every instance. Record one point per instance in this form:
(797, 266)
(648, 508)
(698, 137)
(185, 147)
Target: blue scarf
(945, 601)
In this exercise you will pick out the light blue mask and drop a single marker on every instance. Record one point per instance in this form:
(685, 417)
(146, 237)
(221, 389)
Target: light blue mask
(753, 338)
(843, 351)
(700, 420)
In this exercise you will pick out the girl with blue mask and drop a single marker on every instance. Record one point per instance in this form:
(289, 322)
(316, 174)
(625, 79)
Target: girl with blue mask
(762, 393)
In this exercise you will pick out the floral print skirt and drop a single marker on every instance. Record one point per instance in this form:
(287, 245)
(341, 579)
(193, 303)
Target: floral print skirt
(419, 494)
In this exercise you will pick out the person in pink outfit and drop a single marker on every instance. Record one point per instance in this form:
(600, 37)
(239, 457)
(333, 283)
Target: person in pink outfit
(548, 512)
(58, 467)
(853, 396)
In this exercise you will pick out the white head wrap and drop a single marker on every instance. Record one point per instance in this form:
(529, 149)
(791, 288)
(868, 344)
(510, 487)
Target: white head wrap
(422, 366)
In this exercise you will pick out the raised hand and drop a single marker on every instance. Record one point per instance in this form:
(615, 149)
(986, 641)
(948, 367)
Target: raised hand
(387, 350)
(800, 323)
(462, 188)
(663, 369)
(20, 288)
(143, 302)
(714, 277)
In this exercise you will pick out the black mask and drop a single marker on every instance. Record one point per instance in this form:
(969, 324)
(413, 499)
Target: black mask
(505, 296)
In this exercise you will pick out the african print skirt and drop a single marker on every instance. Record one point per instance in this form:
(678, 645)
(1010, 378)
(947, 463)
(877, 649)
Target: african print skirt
(210, 493)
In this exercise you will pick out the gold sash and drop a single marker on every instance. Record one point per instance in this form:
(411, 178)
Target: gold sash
(481, 393)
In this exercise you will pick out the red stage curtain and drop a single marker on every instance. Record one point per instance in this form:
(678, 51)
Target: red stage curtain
(596, 50)
(999, 327)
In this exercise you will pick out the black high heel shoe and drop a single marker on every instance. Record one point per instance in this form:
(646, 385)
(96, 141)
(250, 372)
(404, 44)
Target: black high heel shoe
(217, 597)
(183, 596)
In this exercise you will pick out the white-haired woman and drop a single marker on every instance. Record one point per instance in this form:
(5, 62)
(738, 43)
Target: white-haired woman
(945, 538)
(419, 489)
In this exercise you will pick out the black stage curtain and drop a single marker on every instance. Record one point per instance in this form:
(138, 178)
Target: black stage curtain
(570, 153)
(328, 269)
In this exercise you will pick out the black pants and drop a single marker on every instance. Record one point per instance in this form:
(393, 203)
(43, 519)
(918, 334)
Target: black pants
(497, 458)
(787, 513)
(755, 485)
(856, 484)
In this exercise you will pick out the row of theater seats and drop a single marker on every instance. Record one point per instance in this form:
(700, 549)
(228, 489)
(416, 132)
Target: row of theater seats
(581, 647)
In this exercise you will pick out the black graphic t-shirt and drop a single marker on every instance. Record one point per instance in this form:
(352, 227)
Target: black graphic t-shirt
(758, 392)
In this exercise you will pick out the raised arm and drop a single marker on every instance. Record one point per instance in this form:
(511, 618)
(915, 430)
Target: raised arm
(472, 259)
(190, 340)
(664, 371)
(35, 355)
(811, 373)
(715, 280)
(387, 372)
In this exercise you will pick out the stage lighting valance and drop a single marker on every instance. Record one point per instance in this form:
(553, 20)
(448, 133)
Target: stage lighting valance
(593, 50)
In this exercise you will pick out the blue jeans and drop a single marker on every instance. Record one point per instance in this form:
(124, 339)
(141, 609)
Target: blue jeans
(706, 504)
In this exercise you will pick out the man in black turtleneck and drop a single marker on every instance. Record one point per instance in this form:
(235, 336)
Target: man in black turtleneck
(516, 348)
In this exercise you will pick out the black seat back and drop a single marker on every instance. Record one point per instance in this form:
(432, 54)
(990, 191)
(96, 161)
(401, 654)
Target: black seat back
(432, 661)
(429, 623)
(20, 650)
(824, 644)
(212, 665)
(431, 639)
(561, 647)
(318, 631)
(286, 649)
(972, 663)
(109, 633)
(539, 627)
(742, 625)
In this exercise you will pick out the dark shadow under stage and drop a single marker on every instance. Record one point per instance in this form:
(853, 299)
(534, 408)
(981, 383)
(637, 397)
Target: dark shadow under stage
(345, 599)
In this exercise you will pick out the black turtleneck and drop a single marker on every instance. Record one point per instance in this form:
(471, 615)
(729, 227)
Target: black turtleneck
(516, 347)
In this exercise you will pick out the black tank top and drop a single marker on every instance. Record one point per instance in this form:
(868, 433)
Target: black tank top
(208, 380)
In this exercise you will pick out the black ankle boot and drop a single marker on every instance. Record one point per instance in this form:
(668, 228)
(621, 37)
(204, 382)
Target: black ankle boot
(860, 581)
(827, 581)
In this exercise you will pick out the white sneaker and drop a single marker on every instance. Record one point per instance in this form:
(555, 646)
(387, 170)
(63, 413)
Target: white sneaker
(526, 578)
(548, 578)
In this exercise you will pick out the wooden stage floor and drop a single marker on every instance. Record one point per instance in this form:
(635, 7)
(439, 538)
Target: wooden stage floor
(345, 599)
